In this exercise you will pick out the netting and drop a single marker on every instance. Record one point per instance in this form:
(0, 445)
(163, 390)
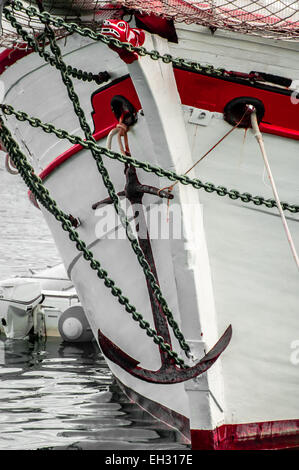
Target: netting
(90, 13)
(268, 18)
(277, 19)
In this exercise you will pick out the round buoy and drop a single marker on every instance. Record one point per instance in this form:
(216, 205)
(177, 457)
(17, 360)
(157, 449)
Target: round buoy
(73, 325)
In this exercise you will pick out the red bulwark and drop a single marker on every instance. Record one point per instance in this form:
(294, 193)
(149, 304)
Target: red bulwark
(211, 93)
(102, 115)
(9, 56)
(199, 91)
(271, 435)
(196, 90)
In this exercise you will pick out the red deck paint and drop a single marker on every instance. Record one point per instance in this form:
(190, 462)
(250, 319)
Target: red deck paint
(104, 122)
(102, 114)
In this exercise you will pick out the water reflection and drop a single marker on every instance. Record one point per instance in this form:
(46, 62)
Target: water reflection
(53, 394)
(25, 240)
(62, 396)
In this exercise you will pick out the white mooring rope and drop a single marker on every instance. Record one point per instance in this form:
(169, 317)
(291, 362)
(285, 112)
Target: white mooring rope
(259, 138)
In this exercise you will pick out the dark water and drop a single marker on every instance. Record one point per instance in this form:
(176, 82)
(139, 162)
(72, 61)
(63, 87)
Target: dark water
(56, 395)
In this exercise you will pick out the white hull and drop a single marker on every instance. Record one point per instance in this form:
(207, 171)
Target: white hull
(240, 270)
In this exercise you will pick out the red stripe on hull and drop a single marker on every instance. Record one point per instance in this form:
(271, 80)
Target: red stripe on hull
(269, 435)
(70, 152)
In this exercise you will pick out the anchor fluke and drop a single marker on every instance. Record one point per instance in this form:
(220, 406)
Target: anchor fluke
(168, 373)
(112, 352)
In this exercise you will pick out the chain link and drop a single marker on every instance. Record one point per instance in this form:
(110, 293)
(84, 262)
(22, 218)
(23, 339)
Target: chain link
(46, 18)
(146, 166)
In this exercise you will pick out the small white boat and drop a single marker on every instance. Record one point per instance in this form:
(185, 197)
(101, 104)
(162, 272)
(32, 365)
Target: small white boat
(42, 304)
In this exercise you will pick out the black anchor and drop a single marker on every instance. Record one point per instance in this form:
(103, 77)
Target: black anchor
(169, 372)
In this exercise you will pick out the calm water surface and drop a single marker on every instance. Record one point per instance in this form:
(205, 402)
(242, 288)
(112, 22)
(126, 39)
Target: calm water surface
(53, 394)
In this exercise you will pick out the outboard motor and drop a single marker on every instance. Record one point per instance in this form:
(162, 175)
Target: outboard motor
(18, 302)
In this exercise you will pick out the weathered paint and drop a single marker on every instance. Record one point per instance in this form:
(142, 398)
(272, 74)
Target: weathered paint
(271, 435)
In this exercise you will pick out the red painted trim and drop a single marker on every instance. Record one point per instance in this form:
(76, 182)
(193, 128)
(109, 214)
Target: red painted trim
(103, 118)
(281, 131)
(65, 156)
(205, 92)
(72, 151)
(102, 114)
(269, 435)
(9, 56)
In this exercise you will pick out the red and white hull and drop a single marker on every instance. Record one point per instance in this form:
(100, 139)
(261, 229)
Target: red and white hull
(231, 264)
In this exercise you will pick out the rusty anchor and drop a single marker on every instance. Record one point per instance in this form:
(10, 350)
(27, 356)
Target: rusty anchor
(169, 372)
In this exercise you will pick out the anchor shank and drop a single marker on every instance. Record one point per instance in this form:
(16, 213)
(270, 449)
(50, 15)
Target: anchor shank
(135, 196)
(158, 314)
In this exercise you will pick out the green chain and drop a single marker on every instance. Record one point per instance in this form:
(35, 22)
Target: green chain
(97, 36)
(60, 65)
(112, 193)
(38, 46)
(35, 184)
(41, 193)
(99, 78)
(147, 167)
(196, 183)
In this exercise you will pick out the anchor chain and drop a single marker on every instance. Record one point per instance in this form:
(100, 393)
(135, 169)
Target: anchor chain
(99, 78)
(41, 193)
(38, 47)
(35, 184)
(60, 65)
(45, 18)
(196, 183)
(146, 166)
(112, 193)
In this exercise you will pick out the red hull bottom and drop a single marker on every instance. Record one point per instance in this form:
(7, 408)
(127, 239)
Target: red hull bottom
(268, 435)
(271, 435)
